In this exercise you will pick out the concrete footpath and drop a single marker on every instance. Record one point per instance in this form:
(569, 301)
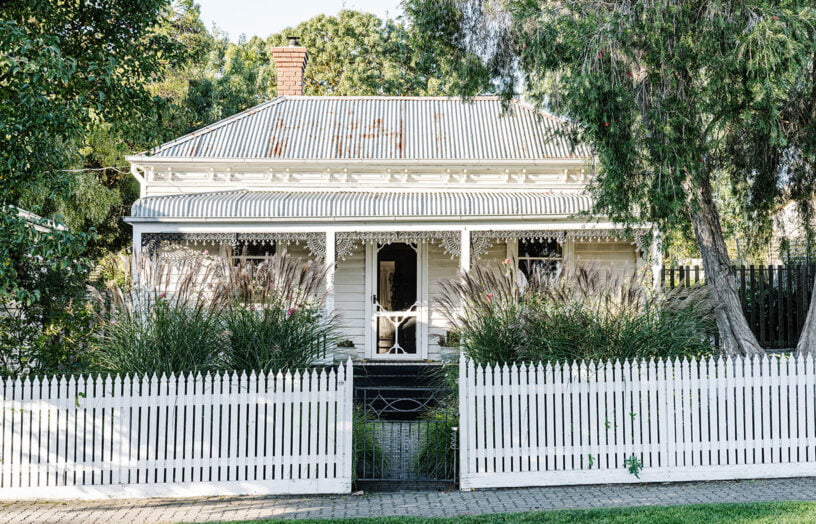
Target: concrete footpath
(406, 503)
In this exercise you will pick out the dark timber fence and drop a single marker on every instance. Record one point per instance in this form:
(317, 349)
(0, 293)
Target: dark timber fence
(775, 299)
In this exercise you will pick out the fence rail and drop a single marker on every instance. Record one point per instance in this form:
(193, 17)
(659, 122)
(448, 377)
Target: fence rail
(775, 299)
(589, 423)
(189, 435)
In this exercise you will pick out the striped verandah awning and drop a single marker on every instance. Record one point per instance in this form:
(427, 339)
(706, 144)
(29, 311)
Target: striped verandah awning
(388, 206)
(358, 204)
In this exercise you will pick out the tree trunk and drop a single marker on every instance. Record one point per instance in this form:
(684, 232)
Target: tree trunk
(807, 339)
(736, 337)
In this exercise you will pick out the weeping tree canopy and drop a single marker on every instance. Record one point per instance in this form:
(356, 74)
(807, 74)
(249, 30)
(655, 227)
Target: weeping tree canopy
(668, 92)
(675, 96)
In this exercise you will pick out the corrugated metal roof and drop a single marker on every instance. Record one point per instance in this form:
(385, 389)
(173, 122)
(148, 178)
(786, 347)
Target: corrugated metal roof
(359, 204)
(379, 128)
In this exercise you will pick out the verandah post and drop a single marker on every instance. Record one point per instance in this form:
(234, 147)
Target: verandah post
(329, 261)
(464, 251)
(331, 249)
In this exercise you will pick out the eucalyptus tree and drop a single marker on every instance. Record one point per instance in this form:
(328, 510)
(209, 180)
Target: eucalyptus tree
(673, 95)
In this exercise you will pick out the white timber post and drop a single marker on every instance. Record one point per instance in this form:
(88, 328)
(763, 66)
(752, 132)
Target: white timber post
(137, 252)
(464, 251)
(464, 267)
(330, 261)
(137, 242)
(331, 252)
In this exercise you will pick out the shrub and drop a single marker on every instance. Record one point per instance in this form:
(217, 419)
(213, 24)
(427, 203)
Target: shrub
(45, 321)
(366, 449)
(588, 314)
(436, 457)
(169, 320)
(275, 318)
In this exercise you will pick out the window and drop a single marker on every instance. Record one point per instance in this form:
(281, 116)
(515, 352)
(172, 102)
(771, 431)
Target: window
(544, 254)
(246, 252)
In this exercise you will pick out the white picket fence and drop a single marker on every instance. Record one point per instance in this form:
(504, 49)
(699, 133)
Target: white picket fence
(177, 436)
(538, 425)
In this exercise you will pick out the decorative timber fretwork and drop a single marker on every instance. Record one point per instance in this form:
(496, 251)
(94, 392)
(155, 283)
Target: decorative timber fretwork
(315, 242)
(481, 241)
(153, 243)
(347, 242)
(609, 235)
(177, 245)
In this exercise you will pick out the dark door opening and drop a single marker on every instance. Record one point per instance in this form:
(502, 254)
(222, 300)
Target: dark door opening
(395, 300)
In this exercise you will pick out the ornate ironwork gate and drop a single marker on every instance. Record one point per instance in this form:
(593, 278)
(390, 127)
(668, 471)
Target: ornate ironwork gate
(405, 436)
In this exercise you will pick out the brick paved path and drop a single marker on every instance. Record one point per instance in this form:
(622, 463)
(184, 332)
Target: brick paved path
(406, 503)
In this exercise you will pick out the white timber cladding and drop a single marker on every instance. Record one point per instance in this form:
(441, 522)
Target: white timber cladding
(350, 300)
(187, 435)
(620, 257)
(637, 421)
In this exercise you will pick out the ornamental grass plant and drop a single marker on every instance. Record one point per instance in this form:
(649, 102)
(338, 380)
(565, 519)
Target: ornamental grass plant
(580, 315)
(168, 318)
(275, 317)
(202, 313)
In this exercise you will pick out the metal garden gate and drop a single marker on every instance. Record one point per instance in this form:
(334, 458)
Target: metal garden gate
(405, 437)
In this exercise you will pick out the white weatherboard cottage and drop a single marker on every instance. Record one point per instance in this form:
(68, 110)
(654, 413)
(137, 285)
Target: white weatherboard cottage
(396, 193)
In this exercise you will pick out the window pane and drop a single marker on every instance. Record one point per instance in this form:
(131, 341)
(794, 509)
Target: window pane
(397, 276)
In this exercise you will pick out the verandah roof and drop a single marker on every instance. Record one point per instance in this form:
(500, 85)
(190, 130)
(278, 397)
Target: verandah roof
(359, 204)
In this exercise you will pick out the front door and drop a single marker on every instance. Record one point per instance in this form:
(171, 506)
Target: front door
(396, 302)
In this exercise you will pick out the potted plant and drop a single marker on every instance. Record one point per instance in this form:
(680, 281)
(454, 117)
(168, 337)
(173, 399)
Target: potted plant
(344, 350)
(449, 346)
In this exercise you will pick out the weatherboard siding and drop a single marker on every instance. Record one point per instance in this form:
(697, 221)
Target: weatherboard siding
(350, 299)
(617, 256)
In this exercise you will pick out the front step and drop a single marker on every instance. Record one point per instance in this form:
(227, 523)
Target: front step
(397, 391)
(394, 375)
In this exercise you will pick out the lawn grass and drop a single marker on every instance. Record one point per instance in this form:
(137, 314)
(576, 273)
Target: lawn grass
(749, 513)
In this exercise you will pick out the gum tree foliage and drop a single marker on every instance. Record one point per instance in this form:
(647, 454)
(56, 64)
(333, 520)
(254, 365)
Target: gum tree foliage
(351, 53)
(673, 96)
(66, 68)
(356, 53)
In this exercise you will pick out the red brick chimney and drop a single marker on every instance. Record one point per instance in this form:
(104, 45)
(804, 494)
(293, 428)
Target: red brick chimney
(290, 62)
